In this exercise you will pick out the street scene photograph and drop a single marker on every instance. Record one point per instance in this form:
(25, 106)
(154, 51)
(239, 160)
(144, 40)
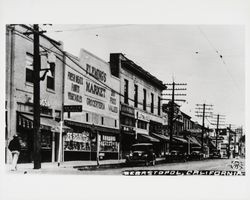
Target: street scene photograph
(125, 99)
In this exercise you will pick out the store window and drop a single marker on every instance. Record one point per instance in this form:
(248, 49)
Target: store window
(46, 140)
(142, 124)
(127, 121)
(45, 110)
(58, 114)
(77, 141)
(29, 68)
(108, 144)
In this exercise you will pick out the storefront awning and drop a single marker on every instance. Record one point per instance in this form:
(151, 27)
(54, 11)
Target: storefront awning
(181, 140)
(194, 141)
(26, 121)
(161, 137)
(146, 138)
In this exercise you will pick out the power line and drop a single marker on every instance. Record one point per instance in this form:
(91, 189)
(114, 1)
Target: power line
(91, 28)
(75, 62)
(220, 55)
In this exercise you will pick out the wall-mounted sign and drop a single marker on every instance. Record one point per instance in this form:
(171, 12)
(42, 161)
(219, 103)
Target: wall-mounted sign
(125, 109)
(72, 108)
(143, 116)
(73, 85)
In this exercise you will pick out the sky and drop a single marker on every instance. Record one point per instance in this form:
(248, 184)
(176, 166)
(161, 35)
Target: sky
(209, 58)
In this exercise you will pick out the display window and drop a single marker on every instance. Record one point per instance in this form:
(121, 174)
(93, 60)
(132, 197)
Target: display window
(108, 143)
(46, 139)
(77, 141)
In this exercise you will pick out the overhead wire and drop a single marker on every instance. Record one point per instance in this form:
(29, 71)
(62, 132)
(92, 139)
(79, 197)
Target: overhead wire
(220, 55)
(96, 81)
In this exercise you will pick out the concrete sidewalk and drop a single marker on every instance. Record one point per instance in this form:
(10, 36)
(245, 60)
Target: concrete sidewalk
(70, 165)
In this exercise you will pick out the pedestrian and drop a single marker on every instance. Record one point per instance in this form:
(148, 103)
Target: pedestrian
(15, 148)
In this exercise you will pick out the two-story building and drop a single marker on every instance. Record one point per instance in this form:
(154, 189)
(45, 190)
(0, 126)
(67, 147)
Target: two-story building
(90, 85)
(19, 92)
(141, 108)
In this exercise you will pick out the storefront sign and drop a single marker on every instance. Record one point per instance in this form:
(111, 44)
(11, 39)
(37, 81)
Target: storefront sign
(127, 110)
(72, 108)
(142, 116)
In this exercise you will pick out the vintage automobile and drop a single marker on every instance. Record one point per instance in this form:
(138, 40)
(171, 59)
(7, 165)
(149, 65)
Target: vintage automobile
(141, 153)
(196, 155)
(176, 156)
(215, 154)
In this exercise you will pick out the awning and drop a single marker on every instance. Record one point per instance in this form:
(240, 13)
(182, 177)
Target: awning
(146, 138)
(161, 137)
(178, 139)
(194, 141)
(26, 121)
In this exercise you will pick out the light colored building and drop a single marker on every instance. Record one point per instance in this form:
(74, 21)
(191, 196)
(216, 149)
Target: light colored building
(19, 92)
(141, 106)
(90, 84)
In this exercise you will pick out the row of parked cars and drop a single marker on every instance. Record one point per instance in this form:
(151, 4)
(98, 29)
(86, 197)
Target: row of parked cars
(144, 153)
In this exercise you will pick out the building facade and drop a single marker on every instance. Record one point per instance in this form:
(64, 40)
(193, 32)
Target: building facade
(141, 112)
(88, 83)
(19, 92)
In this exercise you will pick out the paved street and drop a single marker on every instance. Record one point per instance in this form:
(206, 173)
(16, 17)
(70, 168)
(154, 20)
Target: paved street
(213, 164)
(210, 164)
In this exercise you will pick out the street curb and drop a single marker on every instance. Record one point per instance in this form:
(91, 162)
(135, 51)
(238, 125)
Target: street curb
(105, 166)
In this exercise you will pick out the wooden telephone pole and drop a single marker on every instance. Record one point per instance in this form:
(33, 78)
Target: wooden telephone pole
(204, 107)
(218, 122)
(172, 107)
(36, 94)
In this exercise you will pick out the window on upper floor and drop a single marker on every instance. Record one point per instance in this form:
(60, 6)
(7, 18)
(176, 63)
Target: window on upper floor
(144, 99)
(29, 68)
(51, 78)
(152, 103)
(159, 105)
(136, 96)
(126, 91)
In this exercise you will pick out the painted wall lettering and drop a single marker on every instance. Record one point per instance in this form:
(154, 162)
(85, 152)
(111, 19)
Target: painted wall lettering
(95, 103)
(94, 89)
(98, 74)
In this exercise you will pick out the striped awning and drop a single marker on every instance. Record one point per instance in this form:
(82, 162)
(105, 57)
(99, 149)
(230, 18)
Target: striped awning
(26, 121)
(181, 140)
(146, 138)
(161, 137)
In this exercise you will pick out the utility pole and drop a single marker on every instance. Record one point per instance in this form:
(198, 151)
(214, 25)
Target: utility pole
(229, 141)
(36, 88)
(204, 107)
(218, 123)
(36, 94)
(172, 107)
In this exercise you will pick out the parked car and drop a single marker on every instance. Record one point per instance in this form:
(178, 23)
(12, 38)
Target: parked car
(196, 155)
(141, 153)
(176, 156)
(215, 154)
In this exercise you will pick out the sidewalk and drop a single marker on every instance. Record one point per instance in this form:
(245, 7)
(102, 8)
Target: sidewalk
(69, 166)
